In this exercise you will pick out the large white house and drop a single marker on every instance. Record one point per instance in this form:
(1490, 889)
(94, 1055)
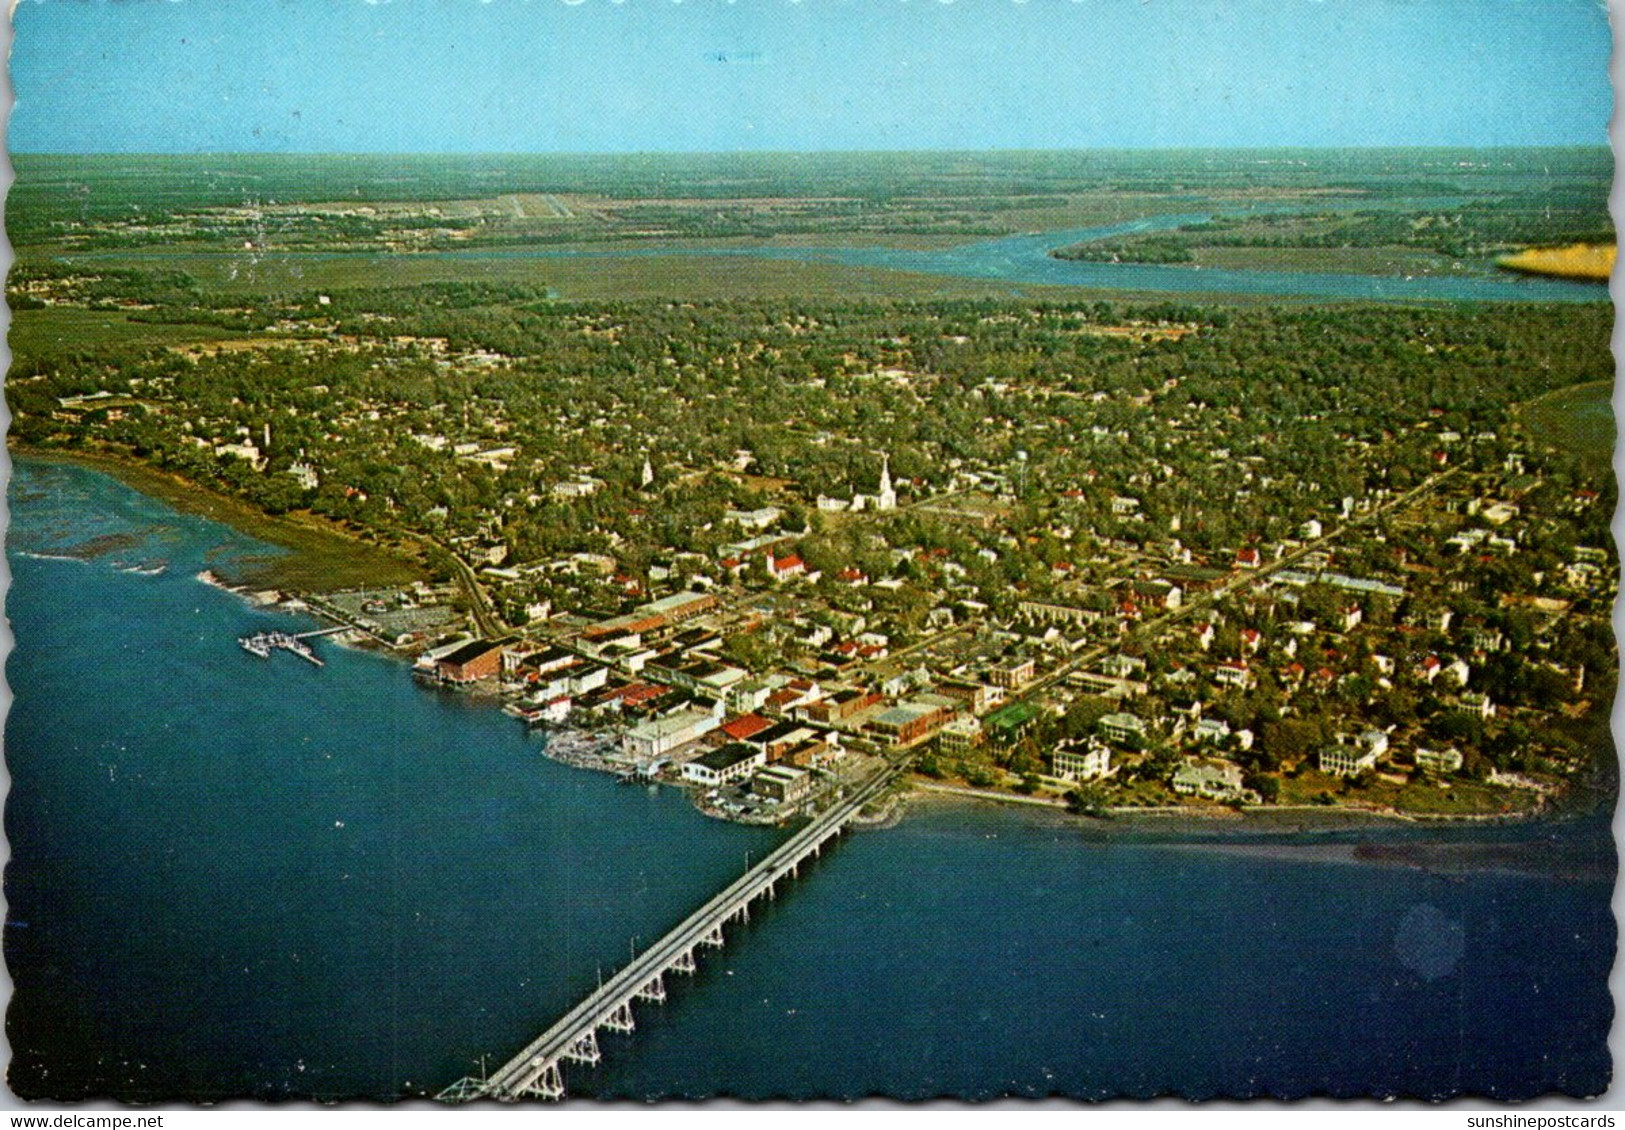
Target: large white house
(1083, 760)
(1214, 779)
(1122, 727)
(1348, 760)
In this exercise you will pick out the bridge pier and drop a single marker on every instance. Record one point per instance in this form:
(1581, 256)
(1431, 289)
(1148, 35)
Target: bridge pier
(547, 1085)
(585, 1050)
(620, 1020)
(536, 1072)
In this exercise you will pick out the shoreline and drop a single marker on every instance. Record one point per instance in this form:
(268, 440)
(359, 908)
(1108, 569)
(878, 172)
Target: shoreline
(1207, 825)
(1187, 820)
(312, 548)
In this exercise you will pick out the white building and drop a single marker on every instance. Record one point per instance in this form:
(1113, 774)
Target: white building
(1083, 761)
(758, 519)
(582, 486)
(660, 736)
(887, 498)
(1347, 760)
(732, 762)
(1216, 780)
(1374, 740)
(1122, 727)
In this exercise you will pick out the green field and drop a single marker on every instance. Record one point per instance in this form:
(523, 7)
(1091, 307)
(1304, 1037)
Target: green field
(36, 333)
(697, 278)
(1580, 419)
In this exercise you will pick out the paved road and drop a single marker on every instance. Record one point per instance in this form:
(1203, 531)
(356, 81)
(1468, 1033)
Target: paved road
(485, 620)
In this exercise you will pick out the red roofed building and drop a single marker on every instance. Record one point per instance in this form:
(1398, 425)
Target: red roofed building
(784, 568)
(635, 694)
(479, 659)
(780, 701)
(745, 726)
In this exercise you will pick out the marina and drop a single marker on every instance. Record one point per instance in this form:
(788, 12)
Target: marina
(263, 643)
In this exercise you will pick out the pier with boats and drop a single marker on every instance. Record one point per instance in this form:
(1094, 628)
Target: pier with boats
(263, 643)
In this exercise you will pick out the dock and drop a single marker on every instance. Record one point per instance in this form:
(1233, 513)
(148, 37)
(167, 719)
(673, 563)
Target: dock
(263, 643)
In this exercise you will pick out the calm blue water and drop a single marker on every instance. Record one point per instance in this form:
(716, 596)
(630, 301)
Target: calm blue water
(232, 876)
(1027, 259)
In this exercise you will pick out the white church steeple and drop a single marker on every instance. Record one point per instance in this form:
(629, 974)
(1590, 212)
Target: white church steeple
(887, 498)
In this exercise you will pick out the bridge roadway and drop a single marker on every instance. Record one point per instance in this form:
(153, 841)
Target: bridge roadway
(535, 1072)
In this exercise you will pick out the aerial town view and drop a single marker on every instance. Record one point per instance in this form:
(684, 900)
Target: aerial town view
(483, 556)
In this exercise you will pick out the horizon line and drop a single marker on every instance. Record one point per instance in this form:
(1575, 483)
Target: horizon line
(1013, 150)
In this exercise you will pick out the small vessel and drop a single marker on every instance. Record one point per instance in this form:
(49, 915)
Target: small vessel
(256, 645)
(262, 643)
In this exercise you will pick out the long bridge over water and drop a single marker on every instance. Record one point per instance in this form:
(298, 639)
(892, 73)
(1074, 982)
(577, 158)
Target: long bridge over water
(537, 1071)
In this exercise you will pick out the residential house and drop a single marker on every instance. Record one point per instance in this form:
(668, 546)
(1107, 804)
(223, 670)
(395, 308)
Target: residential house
(1082, 760)
(1123, 728)
(1347, 760)
(960, 736)
(1211, 778)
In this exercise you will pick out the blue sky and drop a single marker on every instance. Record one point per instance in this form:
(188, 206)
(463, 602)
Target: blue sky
(709, 75)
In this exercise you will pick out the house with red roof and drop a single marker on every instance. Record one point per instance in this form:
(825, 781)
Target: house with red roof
(785, 568)
(745, 726)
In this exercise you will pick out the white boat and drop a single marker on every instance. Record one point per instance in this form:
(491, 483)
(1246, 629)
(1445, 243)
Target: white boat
(256, 645)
